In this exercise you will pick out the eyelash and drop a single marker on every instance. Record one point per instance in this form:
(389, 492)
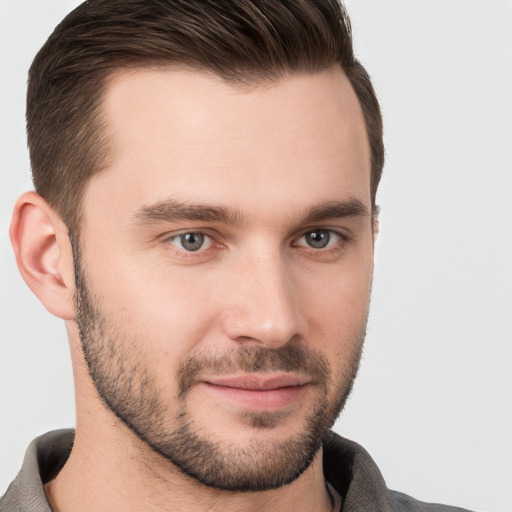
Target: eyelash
(181, 236)
(341, 240)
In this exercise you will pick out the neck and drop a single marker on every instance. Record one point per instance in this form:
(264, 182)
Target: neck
(109, 468)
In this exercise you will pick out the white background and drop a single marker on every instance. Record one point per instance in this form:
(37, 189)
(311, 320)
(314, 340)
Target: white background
(433, 402)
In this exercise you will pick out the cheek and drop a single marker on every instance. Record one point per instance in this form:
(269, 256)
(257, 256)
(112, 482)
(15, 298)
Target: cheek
(337, 308)
(160, 314)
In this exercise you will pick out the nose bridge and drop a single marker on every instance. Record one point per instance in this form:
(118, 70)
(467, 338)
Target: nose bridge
(264, 307)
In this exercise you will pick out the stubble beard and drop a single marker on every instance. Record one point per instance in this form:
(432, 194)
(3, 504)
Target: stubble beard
(128, 389)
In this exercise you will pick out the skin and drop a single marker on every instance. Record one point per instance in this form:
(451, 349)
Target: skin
(268, 155)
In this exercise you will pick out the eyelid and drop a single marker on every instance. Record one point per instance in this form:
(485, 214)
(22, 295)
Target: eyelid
(184, 231)
(341, 238)
(169, 238)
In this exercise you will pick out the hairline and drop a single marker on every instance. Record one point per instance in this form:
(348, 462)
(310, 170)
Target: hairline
(243, 82)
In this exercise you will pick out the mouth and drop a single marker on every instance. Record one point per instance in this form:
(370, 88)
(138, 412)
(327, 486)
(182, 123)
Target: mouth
(259, 392)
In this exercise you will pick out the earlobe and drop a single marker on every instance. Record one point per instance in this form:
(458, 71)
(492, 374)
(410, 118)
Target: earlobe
(43, 254)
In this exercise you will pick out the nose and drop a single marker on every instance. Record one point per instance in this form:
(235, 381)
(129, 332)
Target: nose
(263, 306)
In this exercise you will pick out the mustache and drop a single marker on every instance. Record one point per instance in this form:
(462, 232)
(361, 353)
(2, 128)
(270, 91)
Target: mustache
(254, 359)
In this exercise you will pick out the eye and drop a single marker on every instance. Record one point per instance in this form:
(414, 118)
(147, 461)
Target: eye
(191, 242)
(319, 238)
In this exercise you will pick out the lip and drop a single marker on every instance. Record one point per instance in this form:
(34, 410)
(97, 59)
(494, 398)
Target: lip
(259, 392)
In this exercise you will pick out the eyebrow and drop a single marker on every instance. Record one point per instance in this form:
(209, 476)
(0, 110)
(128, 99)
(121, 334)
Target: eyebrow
(351, 207)
(171, 211)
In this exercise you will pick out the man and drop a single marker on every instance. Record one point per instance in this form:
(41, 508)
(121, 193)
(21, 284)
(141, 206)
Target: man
(204, 222)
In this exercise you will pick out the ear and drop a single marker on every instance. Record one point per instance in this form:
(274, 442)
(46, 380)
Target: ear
(375, 223)
(43, 253)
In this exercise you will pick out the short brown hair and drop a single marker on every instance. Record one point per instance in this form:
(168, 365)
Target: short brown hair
(243, 41)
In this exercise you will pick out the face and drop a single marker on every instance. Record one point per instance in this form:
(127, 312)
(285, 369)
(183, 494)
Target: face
(224, 268)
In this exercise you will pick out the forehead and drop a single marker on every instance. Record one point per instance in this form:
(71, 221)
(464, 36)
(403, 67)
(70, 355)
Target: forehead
(192, 136)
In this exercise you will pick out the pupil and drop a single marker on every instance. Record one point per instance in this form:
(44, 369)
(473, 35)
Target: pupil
(192, 241)
(318, 239)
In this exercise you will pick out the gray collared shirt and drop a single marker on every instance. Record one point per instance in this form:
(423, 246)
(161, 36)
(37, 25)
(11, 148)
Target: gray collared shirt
(347, 467)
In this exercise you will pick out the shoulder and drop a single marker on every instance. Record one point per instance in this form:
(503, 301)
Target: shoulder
(401, 502)
(349, 468)
(44, 458)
